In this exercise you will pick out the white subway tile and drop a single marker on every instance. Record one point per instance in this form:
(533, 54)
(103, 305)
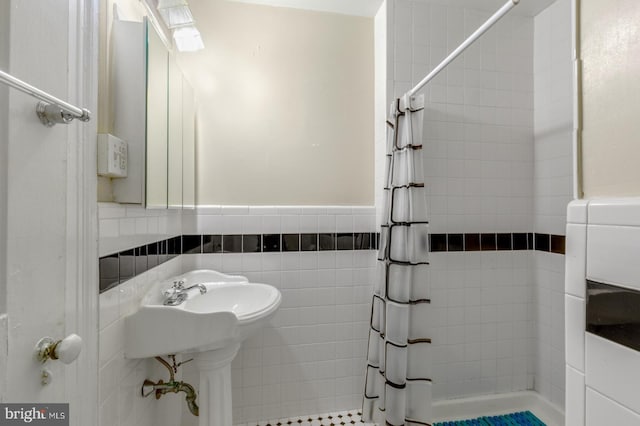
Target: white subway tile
(611, 254)
(231, 224)
(308, 223)
(109, 303)
(252, 224)
(234, 210)
(108, 415)
(111, 341)
(251, 262)
(575, 330)
(290, 224)
(610, 370)
(109, 228)
(271, 225)
(271, 261)
(290, 210)
(327, 223)
(601, 410)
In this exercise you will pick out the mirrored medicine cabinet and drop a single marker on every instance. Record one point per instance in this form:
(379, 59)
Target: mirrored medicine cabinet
(153, 109)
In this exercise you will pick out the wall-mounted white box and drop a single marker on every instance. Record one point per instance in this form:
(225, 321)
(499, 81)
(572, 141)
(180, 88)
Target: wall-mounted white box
(112, 156)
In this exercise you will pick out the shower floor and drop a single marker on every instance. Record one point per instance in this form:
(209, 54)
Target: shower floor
(448, 410)
(491, 405)
(523, 418)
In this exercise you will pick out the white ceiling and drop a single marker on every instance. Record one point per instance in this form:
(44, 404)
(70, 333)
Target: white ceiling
(370, 7)
(346, 7)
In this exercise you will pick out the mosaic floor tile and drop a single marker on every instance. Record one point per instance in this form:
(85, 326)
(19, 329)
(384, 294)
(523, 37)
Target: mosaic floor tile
(347, 418)
(342, 418)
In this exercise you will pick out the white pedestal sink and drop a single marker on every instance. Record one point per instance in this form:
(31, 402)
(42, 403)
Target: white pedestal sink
(211, 326)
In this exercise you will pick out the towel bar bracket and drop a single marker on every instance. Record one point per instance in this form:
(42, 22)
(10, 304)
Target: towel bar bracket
(50, 110)
(51, 114)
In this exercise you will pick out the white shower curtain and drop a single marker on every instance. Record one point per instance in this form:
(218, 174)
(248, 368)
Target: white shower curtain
(398, 378)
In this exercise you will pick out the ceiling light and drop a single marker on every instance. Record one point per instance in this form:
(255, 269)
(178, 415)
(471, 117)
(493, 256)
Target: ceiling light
(175, 13)
(188, 39)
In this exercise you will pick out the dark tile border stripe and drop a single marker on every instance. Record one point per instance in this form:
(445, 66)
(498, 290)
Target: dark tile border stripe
(497, 242)
(558, 244)
(119, 267)
(612, 313)
(116, 268)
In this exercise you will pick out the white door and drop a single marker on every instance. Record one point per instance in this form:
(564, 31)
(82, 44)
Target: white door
(50, 282)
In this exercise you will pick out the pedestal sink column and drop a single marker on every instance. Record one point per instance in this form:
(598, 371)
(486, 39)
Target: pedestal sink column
(215, 386)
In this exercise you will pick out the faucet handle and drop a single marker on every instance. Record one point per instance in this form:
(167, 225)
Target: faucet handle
(175, 288)
(170, 292)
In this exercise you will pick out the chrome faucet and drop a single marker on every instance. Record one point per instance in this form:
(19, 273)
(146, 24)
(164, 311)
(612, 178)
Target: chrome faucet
(177, 293)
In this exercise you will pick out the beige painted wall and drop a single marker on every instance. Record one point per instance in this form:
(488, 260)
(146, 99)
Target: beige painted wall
(285, 106)
(610, 49)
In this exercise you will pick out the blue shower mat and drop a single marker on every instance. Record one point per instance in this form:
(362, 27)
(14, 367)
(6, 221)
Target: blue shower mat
(523, 418)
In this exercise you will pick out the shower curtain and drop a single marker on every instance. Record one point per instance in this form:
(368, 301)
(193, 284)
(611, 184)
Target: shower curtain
(398, 377)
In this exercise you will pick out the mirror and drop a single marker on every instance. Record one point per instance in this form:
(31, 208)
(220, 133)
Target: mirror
(181, 141)
(154, 112)
(156, 122)
(174, 147)
(188, 146)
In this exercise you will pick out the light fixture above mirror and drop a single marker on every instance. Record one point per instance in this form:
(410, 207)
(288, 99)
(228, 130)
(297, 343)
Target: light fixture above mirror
(175, 13)
(188, 39)
(177, 16)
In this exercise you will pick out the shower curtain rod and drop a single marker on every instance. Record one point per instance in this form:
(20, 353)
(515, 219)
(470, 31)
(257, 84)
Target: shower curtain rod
(51, 110)
(468, 42)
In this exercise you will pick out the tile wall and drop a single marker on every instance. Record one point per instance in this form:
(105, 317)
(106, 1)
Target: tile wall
(123, 227)
(501, 241)
(548, 277)
(120, 379)
(553, 117)
(478, 162)
(484, 314)
(497, 159)
(601, 375)
(310, 359)
(478, 130)
(553, 171)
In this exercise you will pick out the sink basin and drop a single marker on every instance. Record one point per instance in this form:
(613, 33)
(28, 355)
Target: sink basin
(229, 312)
